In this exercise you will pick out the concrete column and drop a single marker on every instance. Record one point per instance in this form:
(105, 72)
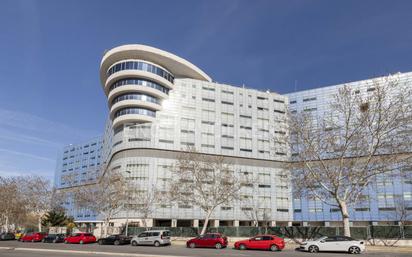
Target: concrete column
(196, 223)
(289, 223)
(236, 223)
(305, 224)
(327, 224)
(216, 223)
(273, 223)
(174, 223)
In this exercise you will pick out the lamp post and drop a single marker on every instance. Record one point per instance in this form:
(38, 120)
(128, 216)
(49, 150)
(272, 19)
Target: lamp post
(127, 208)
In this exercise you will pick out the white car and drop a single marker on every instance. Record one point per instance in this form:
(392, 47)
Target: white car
(333, 244)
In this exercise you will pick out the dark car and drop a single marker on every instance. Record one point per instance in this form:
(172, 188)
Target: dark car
(54, 238)
(115, 240)
(6, 236)
(214, 240)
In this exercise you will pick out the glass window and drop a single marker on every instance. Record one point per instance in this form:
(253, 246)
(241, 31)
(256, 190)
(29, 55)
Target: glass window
(139, 65)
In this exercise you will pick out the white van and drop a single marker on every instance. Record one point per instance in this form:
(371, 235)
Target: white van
(152, 237)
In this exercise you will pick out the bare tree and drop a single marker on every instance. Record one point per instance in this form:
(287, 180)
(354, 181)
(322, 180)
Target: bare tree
(203, 181)
(36, 192)
(143, 202)
(105, 197)
(12, 207)
(255, 209)
(22, 197)
(338, 155)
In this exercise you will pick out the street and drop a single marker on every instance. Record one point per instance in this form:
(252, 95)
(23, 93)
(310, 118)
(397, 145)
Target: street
(18, 249)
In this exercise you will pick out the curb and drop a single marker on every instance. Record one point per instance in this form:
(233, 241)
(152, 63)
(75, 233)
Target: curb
(86, 252)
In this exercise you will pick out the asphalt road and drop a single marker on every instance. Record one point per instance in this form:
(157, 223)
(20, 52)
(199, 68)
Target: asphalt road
(174, 250)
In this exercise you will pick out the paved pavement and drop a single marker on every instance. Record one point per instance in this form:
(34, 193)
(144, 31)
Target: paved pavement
(18, 249)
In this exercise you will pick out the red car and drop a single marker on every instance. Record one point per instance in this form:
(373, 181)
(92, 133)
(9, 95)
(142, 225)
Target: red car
(80, 238)
(33, 237)
(261, 242)
(213, 240)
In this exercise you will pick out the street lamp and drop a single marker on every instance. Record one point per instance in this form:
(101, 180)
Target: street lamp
(128, 203)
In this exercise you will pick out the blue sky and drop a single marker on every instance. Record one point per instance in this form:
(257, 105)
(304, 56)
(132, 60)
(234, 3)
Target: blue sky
(50, 53)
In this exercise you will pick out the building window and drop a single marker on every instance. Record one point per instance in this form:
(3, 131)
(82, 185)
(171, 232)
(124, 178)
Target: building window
(208, 100)
(309, 99)
(208, 88)
(282, 210)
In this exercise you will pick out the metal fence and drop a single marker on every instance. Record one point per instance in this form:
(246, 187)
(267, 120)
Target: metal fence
(369, 232)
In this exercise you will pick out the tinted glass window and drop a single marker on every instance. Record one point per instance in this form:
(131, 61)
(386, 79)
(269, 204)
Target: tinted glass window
(344, 238)
(143, 235)
(154, 234)
(259, 238)
(267, 238)
(330, 239)
(166, 233)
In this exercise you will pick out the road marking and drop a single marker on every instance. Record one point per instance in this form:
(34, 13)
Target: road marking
(88, 252)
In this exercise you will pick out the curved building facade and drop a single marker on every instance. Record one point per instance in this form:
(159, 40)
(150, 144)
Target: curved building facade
(137, 78)
(160, 104)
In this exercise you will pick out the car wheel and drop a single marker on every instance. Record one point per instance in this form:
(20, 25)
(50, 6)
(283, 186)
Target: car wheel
(157, 244)
(354, 250)
(81, 242)
(116, 242)
(192, 245)
(218, 246)
(274, 248)
(313, 249)
(134, 243)
(242, 247)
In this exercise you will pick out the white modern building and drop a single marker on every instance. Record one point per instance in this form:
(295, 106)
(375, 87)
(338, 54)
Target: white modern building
(160, 104)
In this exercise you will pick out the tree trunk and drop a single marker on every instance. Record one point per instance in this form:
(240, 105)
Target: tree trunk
(206, 222)
(7, 224)
(345, 218)
(39, 223)
(144, 224)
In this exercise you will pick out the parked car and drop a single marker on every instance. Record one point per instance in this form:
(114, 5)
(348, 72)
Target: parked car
(33, 237)
(114, 240)
(6, 236)
(54, 238)
(80, 238)
(18, 235)
(333, 244)
(213, 240)
(261, 242)
(153, 237)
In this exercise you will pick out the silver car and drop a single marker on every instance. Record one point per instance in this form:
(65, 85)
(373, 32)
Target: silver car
(152, 237)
